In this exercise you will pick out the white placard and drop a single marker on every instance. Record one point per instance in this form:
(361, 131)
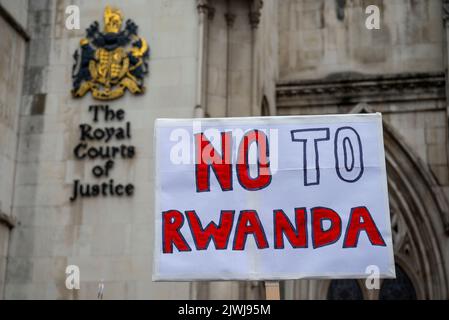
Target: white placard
(271, 198)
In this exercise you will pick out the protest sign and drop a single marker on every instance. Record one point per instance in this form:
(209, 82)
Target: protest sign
(271, 198)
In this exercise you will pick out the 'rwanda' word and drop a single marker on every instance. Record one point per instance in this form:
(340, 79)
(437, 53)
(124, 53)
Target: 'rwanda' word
(85, 151)
(249, 224)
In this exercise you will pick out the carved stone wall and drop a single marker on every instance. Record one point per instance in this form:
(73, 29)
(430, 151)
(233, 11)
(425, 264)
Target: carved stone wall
(357, 70)
(12, 46)
(109, 239)
(321, 37)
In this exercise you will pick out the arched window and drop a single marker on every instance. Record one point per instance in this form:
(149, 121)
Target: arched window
(400, 288)
(344, 289)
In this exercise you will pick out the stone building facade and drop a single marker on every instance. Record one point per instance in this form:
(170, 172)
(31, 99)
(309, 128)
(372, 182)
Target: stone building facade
(216, 58)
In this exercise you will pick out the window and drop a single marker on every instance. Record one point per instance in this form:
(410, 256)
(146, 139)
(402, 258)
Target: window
(344, 289)
(400, 288)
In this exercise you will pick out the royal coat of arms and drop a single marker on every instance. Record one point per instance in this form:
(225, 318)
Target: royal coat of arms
(110, 62)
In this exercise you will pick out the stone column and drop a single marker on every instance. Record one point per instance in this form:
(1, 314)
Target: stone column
(230, 19)
(204, 13)
(200, 290)
(254, 19)
(446, 60)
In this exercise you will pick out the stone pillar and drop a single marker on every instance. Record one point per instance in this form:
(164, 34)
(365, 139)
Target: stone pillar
(230, 19)
(200, 290)
(254, 20)
(13, 42)
(204, 13)
(446, 60)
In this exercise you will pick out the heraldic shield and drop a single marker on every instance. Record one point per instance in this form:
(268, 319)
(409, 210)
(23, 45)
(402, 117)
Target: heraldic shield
(110, 62)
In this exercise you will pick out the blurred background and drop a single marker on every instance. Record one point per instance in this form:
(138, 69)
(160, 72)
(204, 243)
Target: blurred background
(216, 58)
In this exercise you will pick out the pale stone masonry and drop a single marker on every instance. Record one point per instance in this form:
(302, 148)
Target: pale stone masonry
(109, 239)
(13, 46)
(214, 58)
(329, 63)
